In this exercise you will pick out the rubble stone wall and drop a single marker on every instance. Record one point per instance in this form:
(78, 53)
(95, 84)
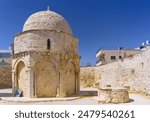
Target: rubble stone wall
(5, 77)
(132, 71)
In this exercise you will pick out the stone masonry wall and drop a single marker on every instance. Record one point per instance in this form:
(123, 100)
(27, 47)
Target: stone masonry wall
(132, 71)
(5, 77)
(87, 77)
(36, 40)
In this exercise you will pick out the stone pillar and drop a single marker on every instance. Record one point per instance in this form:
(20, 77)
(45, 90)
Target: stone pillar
(78, 83)
(32, 83)
(58, 84)
(62, 91)
(29, 83)
(13, 82)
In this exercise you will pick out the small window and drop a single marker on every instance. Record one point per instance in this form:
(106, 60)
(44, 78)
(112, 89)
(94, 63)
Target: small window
(48, 44)
(113, 57)
(120, 57)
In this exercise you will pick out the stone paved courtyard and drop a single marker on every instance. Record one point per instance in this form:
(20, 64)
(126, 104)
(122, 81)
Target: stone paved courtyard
(135, 99)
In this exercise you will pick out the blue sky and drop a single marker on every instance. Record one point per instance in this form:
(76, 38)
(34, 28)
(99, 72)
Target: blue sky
(96, 23)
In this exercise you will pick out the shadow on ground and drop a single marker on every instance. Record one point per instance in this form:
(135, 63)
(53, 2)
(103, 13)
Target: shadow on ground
(131, 100)
(88, 93)
(6, 95)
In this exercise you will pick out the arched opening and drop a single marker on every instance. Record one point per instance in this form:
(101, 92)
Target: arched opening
(70, 80)
(46, 80)
(22, 77)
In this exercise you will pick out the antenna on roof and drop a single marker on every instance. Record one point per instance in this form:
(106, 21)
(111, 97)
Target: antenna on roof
(48, 8)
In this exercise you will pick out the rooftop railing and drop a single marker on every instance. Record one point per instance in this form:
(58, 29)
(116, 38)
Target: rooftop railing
(115, 48)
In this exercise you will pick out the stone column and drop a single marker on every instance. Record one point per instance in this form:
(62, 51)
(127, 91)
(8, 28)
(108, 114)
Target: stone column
(13, 82)
(61, 86)
(34, 85)
(78, 83)
(29, 83)
(58, 84)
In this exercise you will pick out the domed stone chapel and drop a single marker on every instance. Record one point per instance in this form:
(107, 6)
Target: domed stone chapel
(45, 62)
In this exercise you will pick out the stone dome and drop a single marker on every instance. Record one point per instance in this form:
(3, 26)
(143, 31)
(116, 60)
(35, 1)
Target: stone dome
(47, 20)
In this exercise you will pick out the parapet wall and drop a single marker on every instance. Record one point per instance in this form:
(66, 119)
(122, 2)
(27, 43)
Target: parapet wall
(132, 71)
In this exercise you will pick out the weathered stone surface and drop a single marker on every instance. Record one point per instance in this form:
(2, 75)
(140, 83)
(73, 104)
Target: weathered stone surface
(133, 72)
(113, 95)
(47, 20)
(5, 77)
(40, 69)
(36, 40)
(87, 77)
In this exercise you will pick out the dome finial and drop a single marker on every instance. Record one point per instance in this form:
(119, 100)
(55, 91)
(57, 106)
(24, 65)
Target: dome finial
(48, 8)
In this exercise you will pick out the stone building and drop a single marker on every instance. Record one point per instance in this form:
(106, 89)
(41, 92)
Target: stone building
(46, 61)
(5, 55)
(112, 55)
(131, 71)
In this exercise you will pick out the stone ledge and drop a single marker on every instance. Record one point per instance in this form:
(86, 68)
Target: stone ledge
(115, 89)
(48, 53)
(32, 100)
(39, 30)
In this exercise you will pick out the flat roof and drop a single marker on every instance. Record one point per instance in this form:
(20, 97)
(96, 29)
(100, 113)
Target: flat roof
(119, 50)
(5, 51)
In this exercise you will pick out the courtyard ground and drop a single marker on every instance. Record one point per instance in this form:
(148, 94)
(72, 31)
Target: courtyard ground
(87, 98)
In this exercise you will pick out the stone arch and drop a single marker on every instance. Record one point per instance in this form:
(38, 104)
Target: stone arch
(45, 78)
(21, 77)
(70, 82)
(74, 63)
(17, 62)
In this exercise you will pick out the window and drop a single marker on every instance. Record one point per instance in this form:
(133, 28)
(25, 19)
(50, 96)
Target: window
(120, 57)
(48, 44)
(12, 48)
(113, 57)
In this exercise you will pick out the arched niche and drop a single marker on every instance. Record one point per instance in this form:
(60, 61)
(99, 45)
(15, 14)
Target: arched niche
(21, 77)
(45, 79)
(70, 80)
